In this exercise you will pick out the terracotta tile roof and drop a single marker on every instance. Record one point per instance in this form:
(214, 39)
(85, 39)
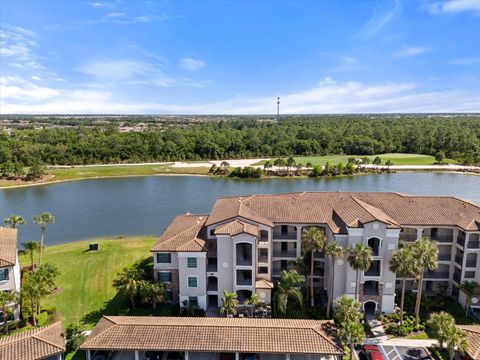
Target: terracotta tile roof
(236, 227)
(340, 209)
(473, 332)
(34, 344)
(263, 284)
(185, 234)
(215, 335)
(8, 246)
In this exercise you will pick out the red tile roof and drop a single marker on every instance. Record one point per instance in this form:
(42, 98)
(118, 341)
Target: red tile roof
(236, 227)
(8, 246)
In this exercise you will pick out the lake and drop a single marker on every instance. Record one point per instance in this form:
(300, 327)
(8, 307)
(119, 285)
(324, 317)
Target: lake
(146, 205)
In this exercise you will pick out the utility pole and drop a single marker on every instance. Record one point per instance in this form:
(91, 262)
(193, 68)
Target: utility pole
(278, 108)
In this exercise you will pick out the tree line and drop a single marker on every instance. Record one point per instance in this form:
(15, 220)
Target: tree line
(455, 137)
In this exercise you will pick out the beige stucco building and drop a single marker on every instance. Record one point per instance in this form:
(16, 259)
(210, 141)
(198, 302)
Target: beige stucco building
(245, 242)
(9, 266)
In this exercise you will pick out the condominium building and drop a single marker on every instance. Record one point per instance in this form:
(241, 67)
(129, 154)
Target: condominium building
(246, 241)
(9, 267)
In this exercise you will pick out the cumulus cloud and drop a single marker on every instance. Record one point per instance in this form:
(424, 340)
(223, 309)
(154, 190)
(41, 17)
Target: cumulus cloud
(190, 64)
(18, 44)
(327, 96)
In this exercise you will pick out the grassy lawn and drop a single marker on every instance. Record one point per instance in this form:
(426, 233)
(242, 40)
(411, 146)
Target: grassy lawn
(85, 281)
(397, 159)
(106, 171)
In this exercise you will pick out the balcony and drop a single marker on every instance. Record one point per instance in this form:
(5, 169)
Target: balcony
(436, 275)
(375, 269)
(471, 263)
(285, 253)
(212, 265)
(287, 236)
(442, 238)
(444, 257)
(407, 237)
(374, 245)
(461, 241)
(457, 277)
(371, 288)
(244, 254)
(212, 283)
(285, 232)
(244, 278)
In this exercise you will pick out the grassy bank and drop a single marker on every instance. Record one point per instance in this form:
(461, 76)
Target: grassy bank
(86, 172)
(85, 283)
(396, 159)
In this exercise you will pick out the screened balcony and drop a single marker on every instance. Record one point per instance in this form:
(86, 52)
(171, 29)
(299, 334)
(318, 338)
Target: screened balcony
(244, 254)
(244, 278)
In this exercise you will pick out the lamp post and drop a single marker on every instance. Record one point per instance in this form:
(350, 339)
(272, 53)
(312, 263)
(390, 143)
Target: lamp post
(278, 108)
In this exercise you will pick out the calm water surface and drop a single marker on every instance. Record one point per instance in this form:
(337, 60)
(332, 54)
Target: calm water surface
(146, 205)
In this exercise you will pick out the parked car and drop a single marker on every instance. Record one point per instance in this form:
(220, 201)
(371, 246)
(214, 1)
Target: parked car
(371, 352)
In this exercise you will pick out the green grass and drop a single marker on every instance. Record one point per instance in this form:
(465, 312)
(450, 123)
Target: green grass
(108, 171)
(85, 281)
(397, 159)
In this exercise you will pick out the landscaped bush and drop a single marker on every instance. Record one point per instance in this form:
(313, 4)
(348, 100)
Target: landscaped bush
(316, 313)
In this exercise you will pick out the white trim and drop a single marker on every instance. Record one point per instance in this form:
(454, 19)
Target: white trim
(199, 254)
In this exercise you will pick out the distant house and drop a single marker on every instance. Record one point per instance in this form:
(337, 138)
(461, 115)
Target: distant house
(44, 343)
(9, 267)
(473, 331)
(192, 338)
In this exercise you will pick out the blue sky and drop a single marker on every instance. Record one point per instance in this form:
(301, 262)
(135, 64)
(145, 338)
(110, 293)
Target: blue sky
(238, 56)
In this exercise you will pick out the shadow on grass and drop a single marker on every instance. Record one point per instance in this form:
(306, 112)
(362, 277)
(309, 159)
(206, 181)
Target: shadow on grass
(118, 305)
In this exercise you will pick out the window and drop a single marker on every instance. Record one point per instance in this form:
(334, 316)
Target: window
(284, 229)
(164, 258)
(192, 281)
(263, 270)
(469, 274)
(3, 274)
(193, 301)
(212, 232)
(192, 262)
(165, 276)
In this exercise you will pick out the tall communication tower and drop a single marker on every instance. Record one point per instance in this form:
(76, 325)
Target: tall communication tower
(278, 108)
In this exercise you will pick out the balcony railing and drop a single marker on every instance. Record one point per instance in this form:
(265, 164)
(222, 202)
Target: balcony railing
(244, 282)
(436, 275)
(471, 263)
(285, 236)
(442, 238)
(461, 241)
(408, 237)
(263, 259)
(445, 257)
(212, 267)
(371, 272)
(370, 290)
(244, 261)
(474, 244)
(285, 253)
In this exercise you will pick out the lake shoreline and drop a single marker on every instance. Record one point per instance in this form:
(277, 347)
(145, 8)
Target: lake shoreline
(395, 171)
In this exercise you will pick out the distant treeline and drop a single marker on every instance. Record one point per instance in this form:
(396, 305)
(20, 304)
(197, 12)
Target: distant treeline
(456, 137)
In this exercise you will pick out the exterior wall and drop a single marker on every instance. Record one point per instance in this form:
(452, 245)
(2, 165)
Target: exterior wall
(184, 272)
(12, 284)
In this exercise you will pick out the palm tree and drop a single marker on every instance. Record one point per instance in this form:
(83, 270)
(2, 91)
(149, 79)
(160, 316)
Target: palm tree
(333, 251)
(425, 252)
(42, 220)
(13, 221)
(130, 281)
(31, 248)
(288, 286)
(347, 317)
(403, 263)
(254, 300)
(152, 291)
(230, 303)
(441, 323)
(470, 288)
(7, 298)
(313, 240)
(359, 258)
(456, 341)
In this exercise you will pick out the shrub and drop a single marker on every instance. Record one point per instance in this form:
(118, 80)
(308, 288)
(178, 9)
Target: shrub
(74, 337)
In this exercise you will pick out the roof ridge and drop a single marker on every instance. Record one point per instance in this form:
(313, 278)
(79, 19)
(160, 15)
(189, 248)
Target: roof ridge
(111, 325)
(173, 237)
(322, 334)
(35, 336)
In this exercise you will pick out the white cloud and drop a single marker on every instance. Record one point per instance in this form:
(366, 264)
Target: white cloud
(465, 61)
(190, 64)
(37, 78)
(454, 6)
(18, 44)
(411, 51)
(132, 72)
(378, 20)
(115, 14)
(328, 96)
(349, 60)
